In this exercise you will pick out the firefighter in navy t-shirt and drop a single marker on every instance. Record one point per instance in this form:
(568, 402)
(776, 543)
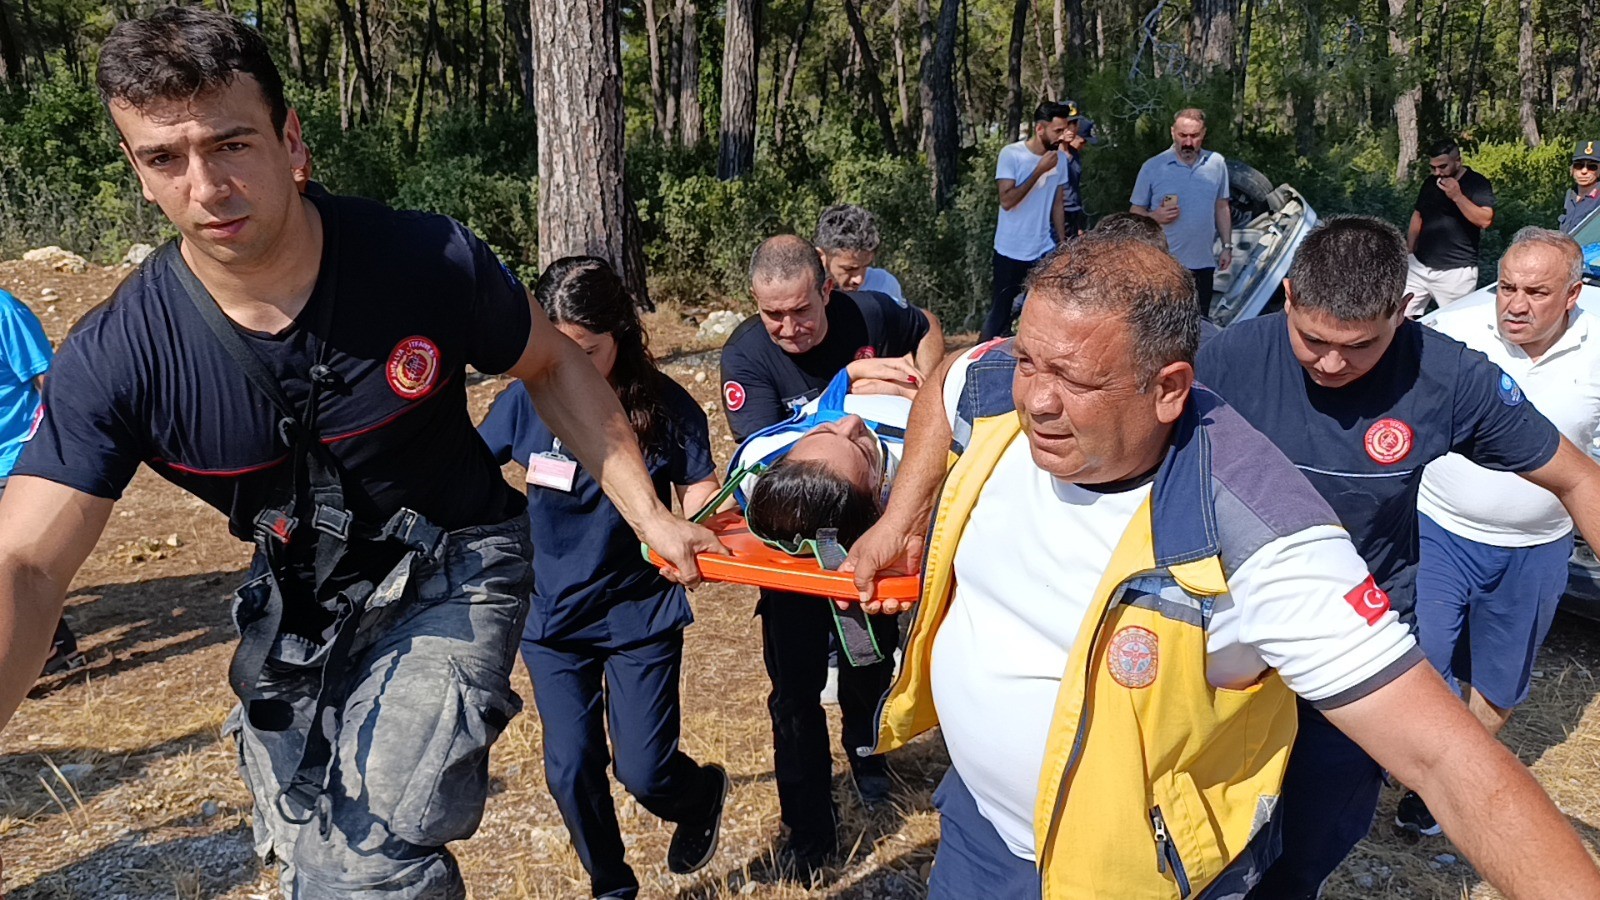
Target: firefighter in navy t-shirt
(772, 364)
(1360, 400)
(299, 363)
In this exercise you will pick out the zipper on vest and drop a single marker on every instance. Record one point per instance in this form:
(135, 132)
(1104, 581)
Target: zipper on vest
(1083, 721)
(1167, 853)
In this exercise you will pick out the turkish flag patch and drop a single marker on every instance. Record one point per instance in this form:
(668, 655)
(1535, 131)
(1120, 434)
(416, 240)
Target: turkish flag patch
(1368, 600)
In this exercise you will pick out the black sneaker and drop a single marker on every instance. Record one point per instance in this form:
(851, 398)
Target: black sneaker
(1412, 815)
(873, 788)
(695, 842)
(804, 863)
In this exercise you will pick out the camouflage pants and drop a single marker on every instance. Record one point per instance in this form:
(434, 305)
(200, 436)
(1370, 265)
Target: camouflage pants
(426, 692)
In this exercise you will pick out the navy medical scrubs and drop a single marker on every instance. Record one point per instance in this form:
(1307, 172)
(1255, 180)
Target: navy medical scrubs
(604, 637)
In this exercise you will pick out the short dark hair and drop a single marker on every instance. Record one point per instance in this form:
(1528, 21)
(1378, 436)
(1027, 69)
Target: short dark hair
(1443, 147)
(179, 52)
(847, 227)
(796, 498)
(1134, 226)
(1352, 268)
(786, 257)
(1130, 278)
(1050, 109)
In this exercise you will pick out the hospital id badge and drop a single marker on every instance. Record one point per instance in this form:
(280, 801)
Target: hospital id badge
(552, 470)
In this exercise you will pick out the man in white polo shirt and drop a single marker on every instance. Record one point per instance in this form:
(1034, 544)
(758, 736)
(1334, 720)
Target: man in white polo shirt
(1495, 547)
(1027, 175)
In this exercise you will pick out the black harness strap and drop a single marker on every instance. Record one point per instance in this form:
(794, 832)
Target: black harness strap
(314, 495)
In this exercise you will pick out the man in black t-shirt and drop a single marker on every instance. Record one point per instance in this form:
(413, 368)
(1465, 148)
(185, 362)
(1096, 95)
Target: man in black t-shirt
(1453, 208)
(772, 364)
(391, 579)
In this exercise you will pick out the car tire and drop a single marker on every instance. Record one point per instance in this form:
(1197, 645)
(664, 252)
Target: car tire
(1248, 191)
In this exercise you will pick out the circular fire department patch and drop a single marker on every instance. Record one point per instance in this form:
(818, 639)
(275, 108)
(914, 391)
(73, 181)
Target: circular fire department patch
(1388, 441)
(867, 352)
(413, 367)
(1133, 657)
(733, 395)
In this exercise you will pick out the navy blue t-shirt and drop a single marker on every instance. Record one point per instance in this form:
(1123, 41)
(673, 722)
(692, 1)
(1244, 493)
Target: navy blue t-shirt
(417, 298)
(589, 581)
(1364, 445)
(762, 385)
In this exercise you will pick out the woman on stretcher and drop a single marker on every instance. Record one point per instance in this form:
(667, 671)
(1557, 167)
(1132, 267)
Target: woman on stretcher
(827, 467)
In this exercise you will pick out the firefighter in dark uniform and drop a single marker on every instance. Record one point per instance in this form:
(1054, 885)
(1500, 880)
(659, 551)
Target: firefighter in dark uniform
(298, 362)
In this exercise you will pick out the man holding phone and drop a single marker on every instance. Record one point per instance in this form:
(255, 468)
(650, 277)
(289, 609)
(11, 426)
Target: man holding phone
(1453, 208)
(1185, 190)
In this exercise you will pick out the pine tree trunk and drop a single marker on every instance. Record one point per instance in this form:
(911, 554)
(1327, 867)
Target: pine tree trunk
(516, 13)
(939, 86)
(1583, 74)
(423, 64)
(1409, 92)
(658, 92)
(736, 134)
(791, 69)
(691, 118)
(582, 208)
(1306, 81)
(291, 28)
(901, 82)
(1213, 32)
(870, 81)
(1019, 26)
(1527, 71)
(11, 72)
(925, 45)
(347, 21)
(483, 60)
(1060, 28)
(344, 85)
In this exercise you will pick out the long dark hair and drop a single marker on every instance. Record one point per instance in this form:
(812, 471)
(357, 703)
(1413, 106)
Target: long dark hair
(795, 498)
(585, 291)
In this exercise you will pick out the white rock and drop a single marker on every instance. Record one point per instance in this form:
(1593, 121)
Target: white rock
(136, 254)
(209, 809)
(47, 293)
(719, 324)
(1445, 859)
(700, 377)
(58, 259)
(1366, 882)
(73, 772)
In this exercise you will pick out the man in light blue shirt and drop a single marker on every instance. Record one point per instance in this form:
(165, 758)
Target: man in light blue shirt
(25, 356)
(1185, 190)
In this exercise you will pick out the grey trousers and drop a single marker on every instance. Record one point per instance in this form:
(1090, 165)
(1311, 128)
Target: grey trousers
(427, 691)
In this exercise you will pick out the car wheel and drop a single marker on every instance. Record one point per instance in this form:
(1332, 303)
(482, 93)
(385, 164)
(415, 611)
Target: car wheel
(1248, 191)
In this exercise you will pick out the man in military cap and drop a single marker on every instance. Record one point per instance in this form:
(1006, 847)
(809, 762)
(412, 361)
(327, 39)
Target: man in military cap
(1584, 198)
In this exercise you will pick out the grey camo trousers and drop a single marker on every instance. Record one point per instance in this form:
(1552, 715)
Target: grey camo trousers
(428, 691)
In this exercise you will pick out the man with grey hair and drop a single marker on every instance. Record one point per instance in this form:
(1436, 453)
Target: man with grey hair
(1495, 547)
(1120, 574)
(1360, 399)
(847, 238)
(1185, 190)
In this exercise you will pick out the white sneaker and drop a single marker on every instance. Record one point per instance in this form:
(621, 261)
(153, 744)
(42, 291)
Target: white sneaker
(830, 690)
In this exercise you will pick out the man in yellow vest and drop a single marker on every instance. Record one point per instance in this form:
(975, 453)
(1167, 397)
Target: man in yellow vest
(1125, 587)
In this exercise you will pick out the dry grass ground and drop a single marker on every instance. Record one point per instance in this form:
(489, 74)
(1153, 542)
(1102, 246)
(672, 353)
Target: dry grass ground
(115, 782)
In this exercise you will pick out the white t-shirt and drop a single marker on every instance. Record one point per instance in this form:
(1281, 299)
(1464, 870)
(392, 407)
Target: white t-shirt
(1023, 231)
(884, 283)
(1501, 508)
(1026, 570)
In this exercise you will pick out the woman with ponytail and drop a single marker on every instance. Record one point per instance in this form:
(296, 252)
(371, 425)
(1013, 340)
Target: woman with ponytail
(604, 638)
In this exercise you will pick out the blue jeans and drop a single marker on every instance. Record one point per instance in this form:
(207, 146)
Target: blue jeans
(427, 690)
(972, 859)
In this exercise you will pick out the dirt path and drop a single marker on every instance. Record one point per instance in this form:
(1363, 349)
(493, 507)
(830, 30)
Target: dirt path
(115, 783)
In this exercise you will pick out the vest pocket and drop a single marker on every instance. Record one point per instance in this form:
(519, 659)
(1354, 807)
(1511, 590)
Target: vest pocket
(1168, 859)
